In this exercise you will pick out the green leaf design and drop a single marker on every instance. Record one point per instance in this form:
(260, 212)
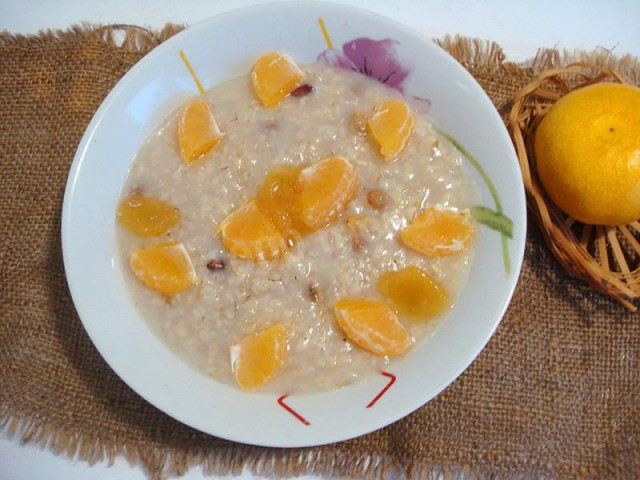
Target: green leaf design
(493, 219)
(498, 214)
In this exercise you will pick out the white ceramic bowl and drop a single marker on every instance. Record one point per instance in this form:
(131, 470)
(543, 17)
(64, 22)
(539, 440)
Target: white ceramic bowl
(220, 48)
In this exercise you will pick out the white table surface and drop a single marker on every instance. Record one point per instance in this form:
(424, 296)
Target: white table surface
(519, 26)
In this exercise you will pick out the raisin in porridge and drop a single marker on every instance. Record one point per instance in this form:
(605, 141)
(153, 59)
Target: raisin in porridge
(296, 229)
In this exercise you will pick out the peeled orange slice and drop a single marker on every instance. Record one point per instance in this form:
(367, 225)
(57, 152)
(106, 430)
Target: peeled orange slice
(414, 293)
(198, 131)
(372, 325)
(277, 197)
(325, 190)
(391, 127)
(250, 234)
(257, 358)
(165, 268)
(438, 232)
(147, 216)
(275, 76)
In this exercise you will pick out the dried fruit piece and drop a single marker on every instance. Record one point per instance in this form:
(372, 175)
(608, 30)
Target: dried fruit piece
(439, 232)
(302, 91)
(275, 76)
(216, 264)
(391, 127)
(414, 293)
(325, 190)
(250, 234)
(257, 358)
(198, 131)
(147, 216)
(372, 325)
(165, 268)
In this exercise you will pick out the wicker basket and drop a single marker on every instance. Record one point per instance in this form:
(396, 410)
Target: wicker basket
(606, 257)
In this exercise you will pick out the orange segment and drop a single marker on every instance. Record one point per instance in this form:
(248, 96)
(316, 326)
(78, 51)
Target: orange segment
(277, 197)
(275, 76)
(325, 190)
(414, 293)
(250, 234)
(438, 232)
(147, 216)
(257, 358)
(372, 325)
(391, 127)
(198, 131)
(165, 268)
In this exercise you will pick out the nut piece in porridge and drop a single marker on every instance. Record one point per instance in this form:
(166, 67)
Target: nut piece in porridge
(249, 234)
(275, 76)
(414, 293)
(439, 231)
(358, 223)
(258, 357)
(372, 325)
(165, 268)
(325, 190)
(377, 199)
(391, 127)
(147, 216)
(198, 131)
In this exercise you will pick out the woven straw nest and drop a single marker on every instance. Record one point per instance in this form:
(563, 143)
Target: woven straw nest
(606, 257)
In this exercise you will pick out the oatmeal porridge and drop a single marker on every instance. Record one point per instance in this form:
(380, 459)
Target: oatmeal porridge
(311, 227)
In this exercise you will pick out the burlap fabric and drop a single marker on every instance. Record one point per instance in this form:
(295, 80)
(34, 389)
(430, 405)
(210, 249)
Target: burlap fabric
(555, 393)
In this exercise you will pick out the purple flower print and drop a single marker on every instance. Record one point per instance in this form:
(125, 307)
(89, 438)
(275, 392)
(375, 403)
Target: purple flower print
(376, 59)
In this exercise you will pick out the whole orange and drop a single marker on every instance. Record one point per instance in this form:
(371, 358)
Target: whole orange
(587, 150)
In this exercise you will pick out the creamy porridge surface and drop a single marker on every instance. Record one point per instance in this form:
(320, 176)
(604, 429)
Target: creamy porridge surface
(299, 289)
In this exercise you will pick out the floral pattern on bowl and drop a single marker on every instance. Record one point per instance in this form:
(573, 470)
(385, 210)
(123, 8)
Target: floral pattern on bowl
(377, 59)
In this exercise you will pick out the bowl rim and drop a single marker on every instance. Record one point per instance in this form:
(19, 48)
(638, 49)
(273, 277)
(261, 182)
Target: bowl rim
(76, 286)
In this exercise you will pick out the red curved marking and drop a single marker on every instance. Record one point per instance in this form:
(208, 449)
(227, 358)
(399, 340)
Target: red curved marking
(291, 410)
(384, 390)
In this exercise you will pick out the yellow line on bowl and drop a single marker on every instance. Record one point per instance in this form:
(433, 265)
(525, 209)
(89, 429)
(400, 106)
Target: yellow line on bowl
(327, 38)
(192, 72)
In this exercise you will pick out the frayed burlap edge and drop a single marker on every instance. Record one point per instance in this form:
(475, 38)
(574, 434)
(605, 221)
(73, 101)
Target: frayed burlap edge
(161, 463)
(472, 52)
(130, 38)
